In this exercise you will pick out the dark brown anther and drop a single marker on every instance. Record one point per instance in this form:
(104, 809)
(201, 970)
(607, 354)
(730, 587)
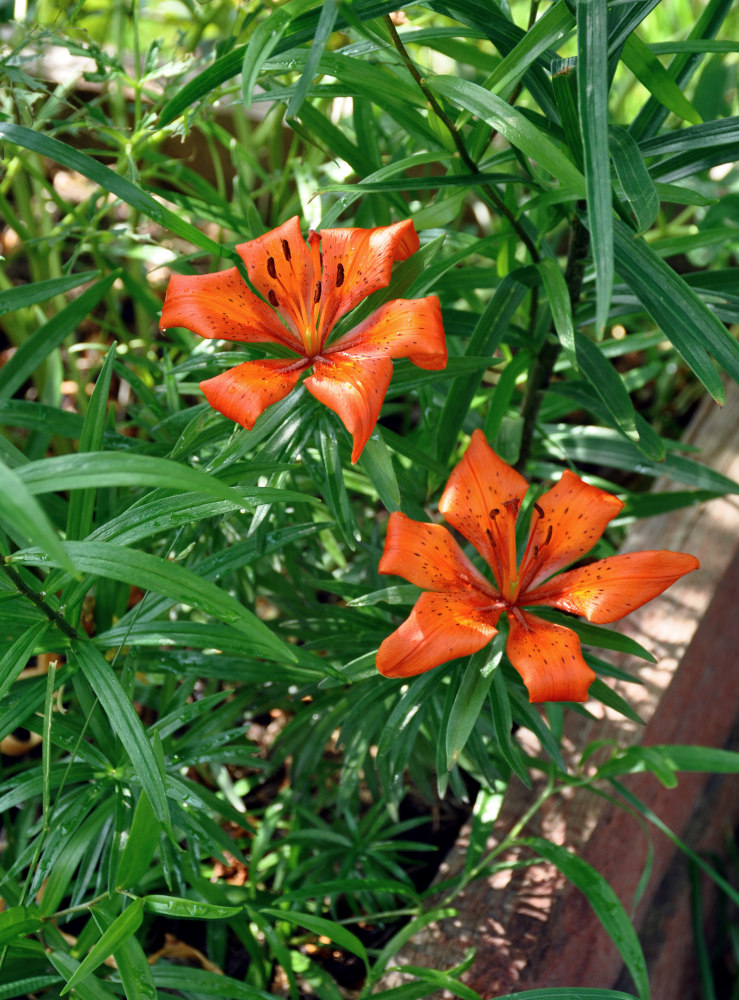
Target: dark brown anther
(317, 292)
(339, 275)
(286, 250)
(272, 297)
(271, 269)
(548, 539)
(539, 510)
(494, 513)
(512, 506)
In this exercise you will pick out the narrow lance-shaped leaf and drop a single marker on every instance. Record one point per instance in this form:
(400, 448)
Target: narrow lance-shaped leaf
(25, 519)
(123, 927)
(606, 905)
(141, 569)
(82, 504)
(516, 128)
(650, 72)
(23, 296)
(683, 317)
(262, 43)
(592, 94)
(637, 185)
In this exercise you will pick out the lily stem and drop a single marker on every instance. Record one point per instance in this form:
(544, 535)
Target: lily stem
(542, 369)
(498, 203)
(35, 598)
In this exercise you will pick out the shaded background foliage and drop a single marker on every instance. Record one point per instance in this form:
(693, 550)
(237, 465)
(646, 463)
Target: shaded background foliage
(208, 738)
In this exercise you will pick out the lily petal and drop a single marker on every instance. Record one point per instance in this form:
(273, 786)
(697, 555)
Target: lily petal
(549, 659)
(427, 555)
(354, 388)
(610, 588)
(244, 392)
(403, 328)
(440, 628)
(481, 500)
(356, 262)
(567, 522)
(220, 306)
(280, 266)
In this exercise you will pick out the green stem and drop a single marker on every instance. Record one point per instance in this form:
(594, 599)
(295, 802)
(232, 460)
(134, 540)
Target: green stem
(498, 204)
(541, 371)
(35, 598)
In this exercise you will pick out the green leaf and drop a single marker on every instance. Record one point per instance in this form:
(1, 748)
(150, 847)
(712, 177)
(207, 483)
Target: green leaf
(609, 385)
(263, 42)
(328, 928)
(606, 904)
(201, 982)
(72, 851)
(592, 98)
(109, 180)
(123, 927)
(546, 32)
(637, 185)
(512, 124)
(503, 722)
(90, 988)
(23, 296)
(321, 36)
(141, 569)
(82, 505)
(470, 698)
(493, 323)
(650, 72)
(231, 63)
(569, 993)
(604, 446)
(48, 337)
(559, 302)
(126, 724)
(17, 921)
(134, 970)
(681, 315)
(25, 519)
(140, 844)
(89, 469)
(191, 909)
(15, 658)
(375, 460)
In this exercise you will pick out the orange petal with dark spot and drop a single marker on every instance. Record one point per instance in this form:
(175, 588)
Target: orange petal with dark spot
(549, 659)
(220, 306)
(440, 628)
(574, 516)
(354, 388)
(244, 392)
(474, 502)
(356, 262)
(403, 328)
(427, 555)
(281, 263)
(611, 588)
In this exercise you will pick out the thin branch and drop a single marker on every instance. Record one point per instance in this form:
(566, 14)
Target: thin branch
(35, 598)
(541, 371)
(498, 204)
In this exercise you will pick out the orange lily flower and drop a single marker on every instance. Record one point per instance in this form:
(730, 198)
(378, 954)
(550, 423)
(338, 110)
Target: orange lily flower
(458, 613)
(309, 288)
